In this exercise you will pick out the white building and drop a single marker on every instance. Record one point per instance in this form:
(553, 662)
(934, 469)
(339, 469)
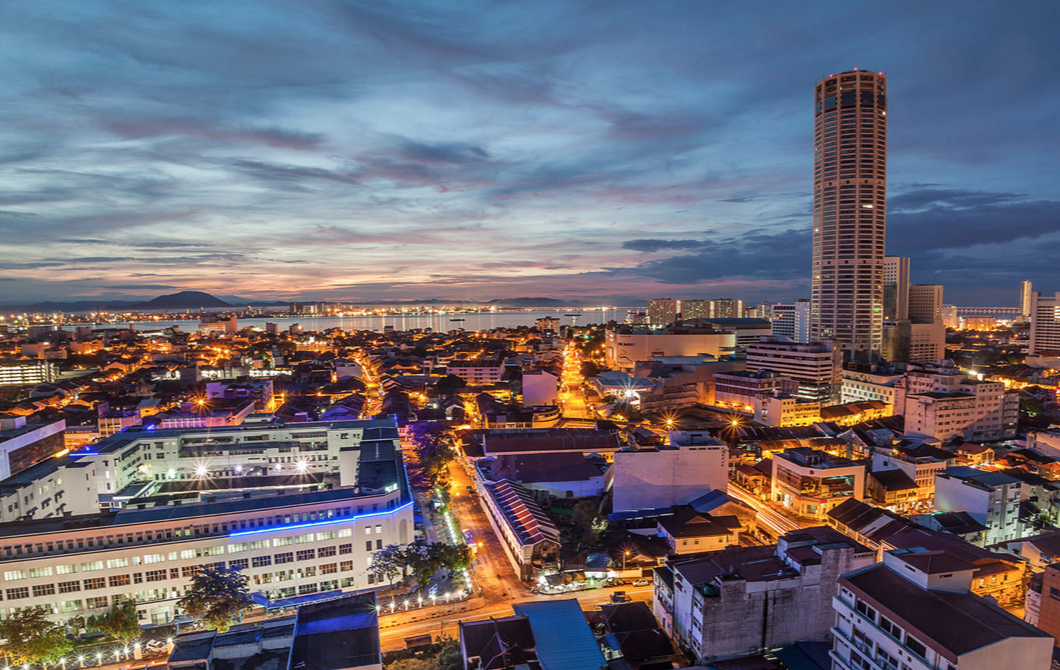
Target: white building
(540, 388)
(24, 373)
(915, 611)
(944, 403)
(290, 540)
(895, 288)
(692, 465)
(809, 483)
(792, 321)
(861, 385)
(991, 498)
(625, 345)
(476, 372)
(1045, 325)
(816, 367)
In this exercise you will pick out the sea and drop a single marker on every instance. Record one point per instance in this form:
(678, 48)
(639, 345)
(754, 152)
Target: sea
(439, 322)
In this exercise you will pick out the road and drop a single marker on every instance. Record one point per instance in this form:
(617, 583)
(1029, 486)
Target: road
(775, 522)
(572, 398)
(393, 638)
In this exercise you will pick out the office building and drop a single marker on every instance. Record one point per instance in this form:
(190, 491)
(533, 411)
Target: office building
(849, 209)
(663, 311)
(292, 534)
(1045, 325)
(740, 388)
(750, 600)
(991, 498)
(816, 367)
(792, 321)
(1026, 298)
(22, 444)
(25, 373)
(914, 610)
(869, 382)
(895, 288)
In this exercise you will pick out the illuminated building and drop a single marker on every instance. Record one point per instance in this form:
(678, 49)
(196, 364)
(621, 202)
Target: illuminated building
(25, 373)
(792, 321)
(1026, 298)
(816, 367)
(663, 311)
(1045, 325)
(895, 288)
(849, 209)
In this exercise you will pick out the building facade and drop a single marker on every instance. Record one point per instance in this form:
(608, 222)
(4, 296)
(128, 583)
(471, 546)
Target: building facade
(895, 288)
(816, 367)
(792, 321)
(849, 209)
(1045, 325)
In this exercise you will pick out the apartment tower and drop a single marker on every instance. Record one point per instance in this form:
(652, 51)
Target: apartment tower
(849, 209)
(1026, 299)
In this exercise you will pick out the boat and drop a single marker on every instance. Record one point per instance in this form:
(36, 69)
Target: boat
(572, 315)
(457, 319)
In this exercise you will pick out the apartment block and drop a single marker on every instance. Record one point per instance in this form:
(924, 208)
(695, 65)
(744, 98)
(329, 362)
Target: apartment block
(809, 483)
(1045, 325)
(816, 367)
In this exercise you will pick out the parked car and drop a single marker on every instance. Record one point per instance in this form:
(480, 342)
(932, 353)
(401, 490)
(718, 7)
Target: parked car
(620, 597)
(641, 582)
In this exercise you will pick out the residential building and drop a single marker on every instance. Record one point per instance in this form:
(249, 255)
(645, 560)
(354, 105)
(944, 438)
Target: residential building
(476, 372)
(740, 388)
(1045, 325)
(1026, 298)
(505, 643)
(895, 288)
(781, 410)
(915, 610)
(625, 345)
(849, 209)
(950, 317)
(529, 537)
(942, 402)
(562, 636)
(869, 382)
(925, 303)
(663, 311)
(816, 367)
(26, 372)
(695, 309)
(748, 600)
(919, 461)
(687, 531)
(809, 483)
(725, 308)
(991, 498)
(660, 477)
(678, 381)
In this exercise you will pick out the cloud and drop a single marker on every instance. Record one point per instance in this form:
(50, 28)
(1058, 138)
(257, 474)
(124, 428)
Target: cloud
(651, 245)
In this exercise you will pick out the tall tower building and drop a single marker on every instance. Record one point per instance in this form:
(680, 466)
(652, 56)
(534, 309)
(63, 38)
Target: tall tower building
(1026, 298)
(925, 303)
(849, 209)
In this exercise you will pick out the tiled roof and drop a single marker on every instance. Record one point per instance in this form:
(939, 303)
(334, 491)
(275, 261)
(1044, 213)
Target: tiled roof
(522, 513)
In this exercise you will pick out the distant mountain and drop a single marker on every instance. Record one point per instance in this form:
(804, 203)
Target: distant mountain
(534, 302)
(182, 300)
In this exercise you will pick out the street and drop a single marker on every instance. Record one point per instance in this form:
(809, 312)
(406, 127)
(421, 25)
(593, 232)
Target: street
(775, 522)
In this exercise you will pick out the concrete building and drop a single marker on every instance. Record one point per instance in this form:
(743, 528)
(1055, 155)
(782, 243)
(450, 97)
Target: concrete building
(672, 475)
(625, 345)
(895, 288)
(663, 311)
(695, 309)
(750, 600)
(991, 498)
(739, 389)
(914, 342)
(22, 444)
(540, 388)
(915, 610)
(25, 373)
(528, 536)
(867, 382)
(141, 463)
(925, 303)
(782, 410)
(792, 321)
(725, 308)
(476, 372)
(809, 483)
(950, 317)
(816, 367)
(1045, 325)
(849, 209)
(679, 381)
(942, 402)
(290, 542)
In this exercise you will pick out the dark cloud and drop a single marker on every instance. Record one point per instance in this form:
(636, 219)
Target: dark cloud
(659, 245)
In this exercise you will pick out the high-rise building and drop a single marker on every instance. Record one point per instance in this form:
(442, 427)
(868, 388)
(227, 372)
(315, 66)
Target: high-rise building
(849, 209)
(725, 308)
(925, 303)
(792, 321)
(1026, 298)
(1045, 325)
(663, 311)
(895, 288)
(695, 309)
(950, 318)
(816, 367)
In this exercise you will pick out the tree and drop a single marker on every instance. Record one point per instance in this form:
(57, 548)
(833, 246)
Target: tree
(434, 444)
(388, 563)
(32, 638)
(119, 623)
(217, 595)
(450, 385)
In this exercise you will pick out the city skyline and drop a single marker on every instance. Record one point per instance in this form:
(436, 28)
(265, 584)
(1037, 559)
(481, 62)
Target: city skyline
(496, 151)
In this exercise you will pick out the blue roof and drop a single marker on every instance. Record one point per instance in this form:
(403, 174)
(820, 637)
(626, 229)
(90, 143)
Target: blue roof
(564, 641)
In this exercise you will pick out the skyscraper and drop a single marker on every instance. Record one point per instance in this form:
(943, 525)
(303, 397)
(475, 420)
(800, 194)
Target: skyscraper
(849, 209)
(1026, 298)
(663, 311)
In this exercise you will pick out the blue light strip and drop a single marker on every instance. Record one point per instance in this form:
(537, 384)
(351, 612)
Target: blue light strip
(312, 524)
(84, 453)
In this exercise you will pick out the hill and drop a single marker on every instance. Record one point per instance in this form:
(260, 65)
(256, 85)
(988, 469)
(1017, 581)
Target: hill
(182, 300)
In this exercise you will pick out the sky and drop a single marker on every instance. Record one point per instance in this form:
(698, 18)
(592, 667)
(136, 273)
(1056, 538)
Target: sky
(594, 151)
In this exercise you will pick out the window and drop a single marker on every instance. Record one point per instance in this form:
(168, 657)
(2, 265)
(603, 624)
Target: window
(155, 575)
(122, 562)
(302, 539)
(71, 606)
(261, 561)
(916, 646)
(40, 572)
(43, 590)
(345, 548)
(346, 566)
(367, 545)
(329, 568)
(96, 603)
(236, 548)
(65, 569)
(345, 532)
(306, 554)
(149, 559)
(18, 593)
(214, 551)
(95, 583)
(69, 587)
(378, 528)
(260, 544)
(367, 530)
(865, 610)
(378, 544)
(239, 564)
(329, 535)
(121, 580)
(283, 558)
(325, 552)
(12, 575)
(281, 542)
(188, 554)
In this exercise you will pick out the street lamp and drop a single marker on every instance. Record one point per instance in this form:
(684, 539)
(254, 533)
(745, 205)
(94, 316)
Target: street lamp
(624, 556)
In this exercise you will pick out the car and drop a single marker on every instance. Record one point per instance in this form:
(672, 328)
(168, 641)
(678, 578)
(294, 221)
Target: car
(641, 582)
